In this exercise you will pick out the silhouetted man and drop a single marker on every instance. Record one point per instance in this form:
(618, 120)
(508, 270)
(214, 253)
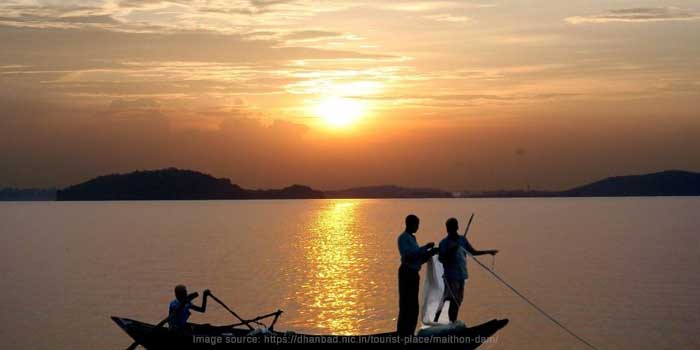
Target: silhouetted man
(412, 257)
(179, 309)
(453, 255)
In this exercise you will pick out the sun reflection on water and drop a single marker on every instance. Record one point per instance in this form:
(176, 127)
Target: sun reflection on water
(334, 269)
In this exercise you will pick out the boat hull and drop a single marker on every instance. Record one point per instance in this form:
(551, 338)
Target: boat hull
(226, 338)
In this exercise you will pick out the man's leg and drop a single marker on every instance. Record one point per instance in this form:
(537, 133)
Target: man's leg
(403, 303)
(414, 306)
(457, 288)
(402, 308)
(408, 302)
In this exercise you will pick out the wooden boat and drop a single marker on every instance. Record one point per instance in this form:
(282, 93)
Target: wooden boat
(235, 337)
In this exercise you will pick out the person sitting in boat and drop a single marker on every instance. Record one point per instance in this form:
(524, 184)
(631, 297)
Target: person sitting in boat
(453, 256)
(179, 309)
(412, 257)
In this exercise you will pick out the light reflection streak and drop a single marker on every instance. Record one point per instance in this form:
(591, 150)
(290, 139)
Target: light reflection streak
(335, 269)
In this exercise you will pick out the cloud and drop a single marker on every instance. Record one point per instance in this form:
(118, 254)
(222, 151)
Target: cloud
(305, 35)
(138, 104)
(57, 17)
(184, 46)
(235, 16)
(640, 14)
(428, 6)
(448, 18)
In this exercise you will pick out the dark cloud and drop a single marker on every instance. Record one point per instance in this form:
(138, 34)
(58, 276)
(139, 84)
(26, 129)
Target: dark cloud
(640, 14)
(46, 21)
(311, 34)
(270, 3)
(55, 45)
(141, 103)
(57, 17)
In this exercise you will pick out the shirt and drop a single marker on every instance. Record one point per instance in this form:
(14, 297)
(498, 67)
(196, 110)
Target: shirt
(412, 255)
(453, 255)
(179, 320)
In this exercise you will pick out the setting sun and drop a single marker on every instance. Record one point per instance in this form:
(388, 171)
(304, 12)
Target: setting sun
(339, 111)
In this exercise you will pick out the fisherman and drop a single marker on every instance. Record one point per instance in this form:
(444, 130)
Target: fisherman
(412, 257)
(453, 256)
(179, 310)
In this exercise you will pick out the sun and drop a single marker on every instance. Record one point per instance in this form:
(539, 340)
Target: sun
(339, 111)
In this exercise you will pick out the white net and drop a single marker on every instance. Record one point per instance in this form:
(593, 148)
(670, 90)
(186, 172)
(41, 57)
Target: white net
(433, 291)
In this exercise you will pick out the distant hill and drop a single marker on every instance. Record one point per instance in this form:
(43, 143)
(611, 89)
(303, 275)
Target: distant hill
(291, 192)
(388, 191)
(666, 183)
(509, 194)
(28, 194)
(173, 184)
(179, 184)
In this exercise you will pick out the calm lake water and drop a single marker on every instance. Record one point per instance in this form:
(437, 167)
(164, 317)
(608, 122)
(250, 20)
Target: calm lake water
(624, 273)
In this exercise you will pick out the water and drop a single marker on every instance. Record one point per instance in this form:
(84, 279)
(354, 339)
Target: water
(621, 272)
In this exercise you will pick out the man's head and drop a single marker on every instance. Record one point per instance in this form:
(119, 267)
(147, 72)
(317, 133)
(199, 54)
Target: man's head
(452, 225)
(181, 292)
(412, 223)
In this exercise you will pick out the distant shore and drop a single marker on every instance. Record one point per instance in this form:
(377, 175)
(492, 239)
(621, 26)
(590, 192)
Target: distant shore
(179, 184)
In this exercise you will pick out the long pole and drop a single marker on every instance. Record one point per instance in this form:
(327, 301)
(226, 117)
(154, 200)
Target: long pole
(444, 281)
(551, 318)
(468, 225)
(555, 321)
(247, 323)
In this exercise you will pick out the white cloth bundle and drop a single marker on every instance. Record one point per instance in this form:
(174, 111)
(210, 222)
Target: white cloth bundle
(433, 290)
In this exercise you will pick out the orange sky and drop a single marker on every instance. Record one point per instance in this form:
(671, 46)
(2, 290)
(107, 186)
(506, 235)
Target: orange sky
(332, 94)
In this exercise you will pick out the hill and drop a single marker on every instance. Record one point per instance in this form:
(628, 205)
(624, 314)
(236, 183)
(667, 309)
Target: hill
(666, 183)
(179, 184)
(173, 184)
(388, 191)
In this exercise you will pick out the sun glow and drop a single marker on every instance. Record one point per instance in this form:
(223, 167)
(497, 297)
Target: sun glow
(339, 111)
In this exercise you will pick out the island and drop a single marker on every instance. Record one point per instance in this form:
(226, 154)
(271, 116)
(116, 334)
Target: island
(665, 183)
(173, 184)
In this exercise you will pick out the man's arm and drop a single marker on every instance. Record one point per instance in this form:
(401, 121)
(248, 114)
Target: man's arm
(413, 251)
(471, 250)
(202, 308)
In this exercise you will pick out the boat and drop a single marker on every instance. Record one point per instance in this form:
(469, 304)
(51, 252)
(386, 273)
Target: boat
(230, 337)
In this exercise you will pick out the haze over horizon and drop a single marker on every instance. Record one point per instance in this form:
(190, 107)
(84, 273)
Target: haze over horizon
(335, 94)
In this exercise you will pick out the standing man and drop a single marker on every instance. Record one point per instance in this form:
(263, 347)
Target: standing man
(412, 257)
(453, 255)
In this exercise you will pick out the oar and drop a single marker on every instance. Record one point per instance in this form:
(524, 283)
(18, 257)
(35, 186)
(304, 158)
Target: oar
(444, 281)
(247, 323)
(164, 321)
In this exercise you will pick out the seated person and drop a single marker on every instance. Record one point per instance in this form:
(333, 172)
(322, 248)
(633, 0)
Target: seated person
(179, 310)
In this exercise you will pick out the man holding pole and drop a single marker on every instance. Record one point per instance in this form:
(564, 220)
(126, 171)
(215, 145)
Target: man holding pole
(453, 255)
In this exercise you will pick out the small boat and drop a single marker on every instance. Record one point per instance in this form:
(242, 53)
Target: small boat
(235, 337)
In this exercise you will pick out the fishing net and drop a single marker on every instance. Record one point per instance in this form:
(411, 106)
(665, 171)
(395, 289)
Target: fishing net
(433, 291)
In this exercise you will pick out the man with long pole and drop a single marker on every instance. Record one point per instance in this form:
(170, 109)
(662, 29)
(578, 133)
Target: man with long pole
(453, 255)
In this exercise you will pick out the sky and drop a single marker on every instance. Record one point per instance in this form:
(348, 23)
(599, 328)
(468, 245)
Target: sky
(459, 95)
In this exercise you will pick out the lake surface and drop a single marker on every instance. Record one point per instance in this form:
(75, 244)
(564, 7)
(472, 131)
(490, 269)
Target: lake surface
(624, 273)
